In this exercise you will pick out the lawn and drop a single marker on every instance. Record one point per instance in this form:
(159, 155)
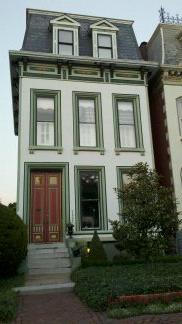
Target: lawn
(95, 285)
(8, 298)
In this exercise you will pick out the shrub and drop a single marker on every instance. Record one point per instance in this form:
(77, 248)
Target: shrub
(96, 255)
(13, 241)
(8, 306)
(150, 220)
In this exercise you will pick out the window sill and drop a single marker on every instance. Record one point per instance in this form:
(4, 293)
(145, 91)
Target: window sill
(89, 149)
(128, 149)
(91, 231)
(45, 148)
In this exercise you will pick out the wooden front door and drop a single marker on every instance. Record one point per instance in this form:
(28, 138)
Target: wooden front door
(45, 207)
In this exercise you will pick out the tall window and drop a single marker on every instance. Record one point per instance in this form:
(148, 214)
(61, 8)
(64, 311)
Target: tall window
(127, 123)
(65, 42)
(89, 199)
(87, 122)
(88, 134)
(91, 211)
(104, 46)
(45, 121)
(179, 110)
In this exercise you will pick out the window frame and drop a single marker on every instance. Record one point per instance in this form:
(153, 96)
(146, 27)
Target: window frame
(179, 99)
(137, 122)
(63, 43)
(98, 122)
(120, 183)
(104, 47)
(113, 35)
(102, 196)
(45, 93)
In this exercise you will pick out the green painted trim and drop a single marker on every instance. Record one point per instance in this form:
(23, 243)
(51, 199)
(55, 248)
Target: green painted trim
(56, 95)
(120, 171)
(42, 75)
(103, 198)
(64, 168)
(82, 78)
(98, 116)
(113, 80)
(137, 118)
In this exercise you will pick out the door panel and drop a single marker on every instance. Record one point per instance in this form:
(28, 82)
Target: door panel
(45, 220)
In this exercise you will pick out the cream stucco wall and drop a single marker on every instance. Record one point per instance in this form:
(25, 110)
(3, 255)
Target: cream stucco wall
(110, 160)
(171, 93)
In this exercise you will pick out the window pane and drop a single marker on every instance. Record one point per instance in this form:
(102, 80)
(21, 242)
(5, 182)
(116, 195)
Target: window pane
(45, 109)
(127, 136)
(65, 49)
(179, 108)
(125, 112)
(105, 52)
(89, 199)
(45, 133)
(126, 179)
(87, 135)
(104, 41)
(65, 36)
(86, 110)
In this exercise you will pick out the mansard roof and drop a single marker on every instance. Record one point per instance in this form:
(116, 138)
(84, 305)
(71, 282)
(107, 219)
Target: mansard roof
(38, 35)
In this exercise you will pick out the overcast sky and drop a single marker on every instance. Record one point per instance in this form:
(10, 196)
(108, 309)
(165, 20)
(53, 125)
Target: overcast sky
(12, 28)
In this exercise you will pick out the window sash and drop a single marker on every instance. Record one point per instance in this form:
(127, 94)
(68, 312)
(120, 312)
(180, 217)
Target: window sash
(45, 133)
(45, 122)
(87, 127)
(126, 124)
(104, 51)
(89, 206)
(65, 44)
(179, 111)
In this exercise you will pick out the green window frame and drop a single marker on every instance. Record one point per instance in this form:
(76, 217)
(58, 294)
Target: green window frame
(134, 99)
(96, 97)
(45, 93)
(179, 113)
(103, 220)
(121, 171)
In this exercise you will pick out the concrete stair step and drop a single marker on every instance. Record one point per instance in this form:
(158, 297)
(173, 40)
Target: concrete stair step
(35, 280)
(48, 250)
(48, 271)
(48, 255)
(45, 246)
(42, 289)
(53, 263)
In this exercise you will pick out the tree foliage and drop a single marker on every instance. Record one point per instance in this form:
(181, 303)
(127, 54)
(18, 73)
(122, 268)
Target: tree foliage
(97, 254)
(149, 217)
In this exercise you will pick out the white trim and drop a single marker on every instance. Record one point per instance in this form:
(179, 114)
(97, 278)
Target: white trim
(75, 39)
(163, 49)
(64, 20)
(104, 24)
(95, 33)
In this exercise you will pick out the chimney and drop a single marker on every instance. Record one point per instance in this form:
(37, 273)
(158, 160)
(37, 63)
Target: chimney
(144, 50)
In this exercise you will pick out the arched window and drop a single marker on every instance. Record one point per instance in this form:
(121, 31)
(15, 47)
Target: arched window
(179, 111)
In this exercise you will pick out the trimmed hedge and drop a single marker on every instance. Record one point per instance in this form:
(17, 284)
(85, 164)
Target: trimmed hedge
(13, 241)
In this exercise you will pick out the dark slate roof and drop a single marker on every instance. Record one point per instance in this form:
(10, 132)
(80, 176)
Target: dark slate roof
(38, 37)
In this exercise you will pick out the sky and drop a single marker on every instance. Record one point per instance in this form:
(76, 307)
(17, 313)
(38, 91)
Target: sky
(12, 27)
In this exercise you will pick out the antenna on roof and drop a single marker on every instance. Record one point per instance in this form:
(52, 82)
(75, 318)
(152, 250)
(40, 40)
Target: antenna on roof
(165, 17)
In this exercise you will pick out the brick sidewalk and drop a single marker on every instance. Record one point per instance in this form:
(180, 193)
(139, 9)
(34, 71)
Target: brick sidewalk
(66, 308)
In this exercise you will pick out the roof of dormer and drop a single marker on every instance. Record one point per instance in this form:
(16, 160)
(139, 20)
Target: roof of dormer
(65, 20)
(104, 24)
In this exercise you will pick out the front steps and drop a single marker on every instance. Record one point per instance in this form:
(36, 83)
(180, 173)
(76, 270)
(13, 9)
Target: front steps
(49, 269)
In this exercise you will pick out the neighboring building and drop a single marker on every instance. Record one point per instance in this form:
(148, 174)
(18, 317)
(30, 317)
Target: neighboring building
(81, 112)
(165, 92)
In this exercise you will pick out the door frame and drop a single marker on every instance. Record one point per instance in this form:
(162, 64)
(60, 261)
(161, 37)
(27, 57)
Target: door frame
(65, 207)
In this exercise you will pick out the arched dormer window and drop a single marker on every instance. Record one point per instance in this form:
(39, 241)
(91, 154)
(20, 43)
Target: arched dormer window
(179, 112)
(65, 36)
(104, 40)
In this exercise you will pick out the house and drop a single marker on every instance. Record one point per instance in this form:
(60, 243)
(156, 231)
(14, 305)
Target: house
(81, 113)
(165, 92)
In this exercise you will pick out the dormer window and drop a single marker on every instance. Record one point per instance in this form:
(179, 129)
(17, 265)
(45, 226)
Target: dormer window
(104, 40)
(104, 46)
(65, 42)
(65, 36)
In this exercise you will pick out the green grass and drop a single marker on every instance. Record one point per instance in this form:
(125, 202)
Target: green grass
(8, 298)
(95, 285)
(122, 312)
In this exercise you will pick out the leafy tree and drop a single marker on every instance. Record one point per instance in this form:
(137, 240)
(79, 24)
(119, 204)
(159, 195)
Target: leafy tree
(149, 217)
(96, 255)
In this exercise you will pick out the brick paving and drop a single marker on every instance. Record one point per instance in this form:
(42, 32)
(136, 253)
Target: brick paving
(66, 308)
